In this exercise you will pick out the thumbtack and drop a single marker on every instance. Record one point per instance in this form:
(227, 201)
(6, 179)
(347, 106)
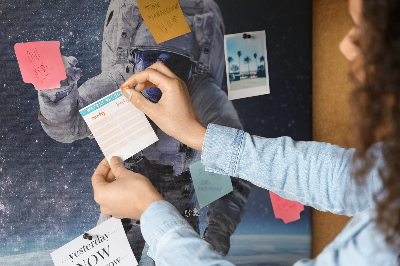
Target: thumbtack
(87, 236)
(246, 36)
(124, 88)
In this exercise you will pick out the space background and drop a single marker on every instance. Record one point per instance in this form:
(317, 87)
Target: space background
(46, 198)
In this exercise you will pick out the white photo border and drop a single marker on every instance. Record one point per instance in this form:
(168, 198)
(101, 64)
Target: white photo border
(247, 92)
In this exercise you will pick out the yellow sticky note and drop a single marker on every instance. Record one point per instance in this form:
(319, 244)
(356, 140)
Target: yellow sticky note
(164, 18)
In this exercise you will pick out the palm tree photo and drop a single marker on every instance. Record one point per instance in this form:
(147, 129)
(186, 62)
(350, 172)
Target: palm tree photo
(262, 59)
(230, 60)
(247, 60)
(239, 54)
(255, 60)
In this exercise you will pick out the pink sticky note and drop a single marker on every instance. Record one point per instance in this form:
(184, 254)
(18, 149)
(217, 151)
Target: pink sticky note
(288, 211)
(41, 64)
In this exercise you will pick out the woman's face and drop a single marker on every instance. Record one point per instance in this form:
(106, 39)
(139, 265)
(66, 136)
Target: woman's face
(348, 47)
(352, 52)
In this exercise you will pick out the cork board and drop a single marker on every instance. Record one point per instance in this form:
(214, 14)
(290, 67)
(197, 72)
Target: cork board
(47, 199)
(331, 89)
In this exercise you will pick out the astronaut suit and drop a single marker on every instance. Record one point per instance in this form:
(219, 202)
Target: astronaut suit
(197, 58)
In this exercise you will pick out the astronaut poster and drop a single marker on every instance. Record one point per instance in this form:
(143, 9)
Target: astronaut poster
(48, 154)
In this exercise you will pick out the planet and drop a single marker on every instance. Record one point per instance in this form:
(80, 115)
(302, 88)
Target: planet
(249, 250)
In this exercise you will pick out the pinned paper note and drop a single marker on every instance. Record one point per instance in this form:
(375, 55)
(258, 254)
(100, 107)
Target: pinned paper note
(164, 18)
(288, 211)
(108, 246)
(209, 186)
(41, 63)
(118, 126)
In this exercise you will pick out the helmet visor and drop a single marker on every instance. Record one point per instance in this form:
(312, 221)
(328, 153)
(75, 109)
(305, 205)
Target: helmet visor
(180, 65)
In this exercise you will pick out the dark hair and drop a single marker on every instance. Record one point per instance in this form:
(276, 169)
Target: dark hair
(375, 103)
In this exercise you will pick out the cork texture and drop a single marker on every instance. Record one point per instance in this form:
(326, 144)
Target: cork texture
(331, 89)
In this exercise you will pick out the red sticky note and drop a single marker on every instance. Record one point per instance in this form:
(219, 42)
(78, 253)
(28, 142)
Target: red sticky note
(288, 211)
(41, 63)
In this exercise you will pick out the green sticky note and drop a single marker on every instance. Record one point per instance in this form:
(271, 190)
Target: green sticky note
(209, 186)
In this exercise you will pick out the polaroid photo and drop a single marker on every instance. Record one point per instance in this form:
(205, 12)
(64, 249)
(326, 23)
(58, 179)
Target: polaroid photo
(246, 64)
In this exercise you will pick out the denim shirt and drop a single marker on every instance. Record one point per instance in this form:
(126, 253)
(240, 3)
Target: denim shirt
(312, 173)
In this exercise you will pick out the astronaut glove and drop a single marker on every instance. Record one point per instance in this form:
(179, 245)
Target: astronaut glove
(68, 84)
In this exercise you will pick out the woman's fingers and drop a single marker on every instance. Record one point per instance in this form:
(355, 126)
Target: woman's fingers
(160, 67)
(100, 174)
(140, 102)
(149, 75)
(110, 177)
(174, 113)
(143, 86)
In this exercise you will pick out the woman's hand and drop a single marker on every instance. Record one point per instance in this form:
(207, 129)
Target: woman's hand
(128, 196)
(174, 113)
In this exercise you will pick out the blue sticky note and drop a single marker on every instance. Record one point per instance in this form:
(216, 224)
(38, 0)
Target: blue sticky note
(209, 186)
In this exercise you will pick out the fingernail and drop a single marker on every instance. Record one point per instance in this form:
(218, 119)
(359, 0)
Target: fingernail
(129, 92)
(115, 160)
(124, 88)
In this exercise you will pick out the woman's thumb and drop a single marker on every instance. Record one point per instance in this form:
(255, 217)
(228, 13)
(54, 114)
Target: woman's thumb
(117, 167)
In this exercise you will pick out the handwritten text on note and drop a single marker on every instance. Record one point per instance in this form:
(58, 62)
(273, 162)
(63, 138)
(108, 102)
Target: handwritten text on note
(164, 18)
(209, 186)
(41, 63)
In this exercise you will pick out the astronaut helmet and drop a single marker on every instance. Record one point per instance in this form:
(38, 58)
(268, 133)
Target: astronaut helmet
(127, 37)
(178, 62)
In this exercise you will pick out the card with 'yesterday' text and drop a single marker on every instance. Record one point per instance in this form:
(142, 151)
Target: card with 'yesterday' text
(108, 247)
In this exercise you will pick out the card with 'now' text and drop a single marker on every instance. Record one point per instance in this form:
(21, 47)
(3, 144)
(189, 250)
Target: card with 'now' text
(108, 246)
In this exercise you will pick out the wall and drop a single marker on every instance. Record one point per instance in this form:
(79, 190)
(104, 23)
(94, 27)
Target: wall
(331, 89)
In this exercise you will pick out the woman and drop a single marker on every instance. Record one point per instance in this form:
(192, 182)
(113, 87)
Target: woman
(316, 174)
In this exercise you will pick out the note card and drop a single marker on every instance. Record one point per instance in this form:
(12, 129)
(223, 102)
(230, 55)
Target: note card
(164, 18)
(209, 186)
(288, 211)
(108, 247)
(118, 126)
(41, 64)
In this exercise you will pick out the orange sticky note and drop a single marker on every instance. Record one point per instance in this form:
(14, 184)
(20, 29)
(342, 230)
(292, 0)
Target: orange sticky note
(41, 63)
(288, 211)
(164, 18)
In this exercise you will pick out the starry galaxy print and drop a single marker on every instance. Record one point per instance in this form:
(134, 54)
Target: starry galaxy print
(46, 198)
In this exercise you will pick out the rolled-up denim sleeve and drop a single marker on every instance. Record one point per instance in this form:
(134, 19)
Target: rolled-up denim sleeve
(312, 173)
(171, 239)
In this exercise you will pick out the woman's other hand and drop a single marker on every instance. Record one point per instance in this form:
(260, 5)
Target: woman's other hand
(126, 197)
